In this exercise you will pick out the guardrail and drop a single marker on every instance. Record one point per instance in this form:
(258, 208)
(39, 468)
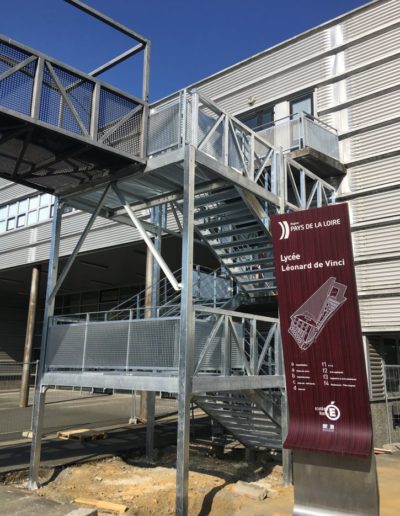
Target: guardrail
(392, 381)
(194, 119)
(59, 96)
(303, 130)
(11, 375)
(225, 343)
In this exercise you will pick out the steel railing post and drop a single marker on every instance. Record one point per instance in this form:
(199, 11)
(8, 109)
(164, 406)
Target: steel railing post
(253, 347)
(37, 88)
(195, 118)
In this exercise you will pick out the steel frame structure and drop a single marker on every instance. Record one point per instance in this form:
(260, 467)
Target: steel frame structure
(218, 180)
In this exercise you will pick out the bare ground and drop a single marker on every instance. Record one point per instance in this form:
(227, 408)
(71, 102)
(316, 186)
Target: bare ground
(151, 490)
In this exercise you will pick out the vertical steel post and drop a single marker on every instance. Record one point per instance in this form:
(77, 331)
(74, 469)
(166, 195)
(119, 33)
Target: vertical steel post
(30, 332)
(253, 346)
(37, 88)
(40, 392)
(186, 338)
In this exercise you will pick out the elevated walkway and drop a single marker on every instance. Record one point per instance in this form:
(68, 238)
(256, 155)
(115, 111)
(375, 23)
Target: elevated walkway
(61, 129)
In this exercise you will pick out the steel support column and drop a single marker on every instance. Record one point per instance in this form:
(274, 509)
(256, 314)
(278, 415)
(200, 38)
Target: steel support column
(40, 393)
(30, 332)
(186, 337)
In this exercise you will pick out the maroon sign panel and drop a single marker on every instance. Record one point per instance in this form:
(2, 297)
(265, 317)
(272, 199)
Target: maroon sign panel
(326, 380)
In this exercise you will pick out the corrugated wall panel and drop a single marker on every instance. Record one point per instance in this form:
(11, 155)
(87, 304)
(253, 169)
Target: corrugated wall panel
(378, 276)
(380, 172)
(372, 48)
(380, 108)
(325, 96)
(380, 314)
(376, 141)
(382, 241)
(10, 191)
(279, 86)
(267, 64)
(32, 244)
(375, 207)
(376, 109)
(377, 14)
(375, 78)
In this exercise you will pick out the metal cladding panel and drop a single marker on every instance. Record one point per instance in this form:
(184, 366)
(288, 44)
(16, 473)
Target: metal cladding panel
(374, 78)
(382, 242)
(374, 142)
(374, 110)
(380, 314)
(376, 207)
(267, 64)
(32, 244)
(378, 14)
(372, 48)
(365, 176)
(279, 86)
(11, 191)
(325, 96)
(373, 277)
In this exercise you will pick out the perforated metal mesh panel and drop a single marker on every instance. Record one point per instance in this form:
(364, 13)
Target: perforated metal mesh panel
(214, 145)
(16, 90)
(55, 110)
(118, 345)
(125, 136)
(65, 346)
(154, 343)
(106, 345)
(164, 129)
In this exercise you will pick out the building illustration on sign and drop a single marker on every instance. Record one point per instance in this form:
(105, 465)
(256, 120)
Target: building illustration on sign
(308, 321)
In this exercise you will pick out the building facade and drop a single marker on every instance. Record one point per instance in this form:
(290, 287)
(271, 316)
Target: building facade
(345, 74)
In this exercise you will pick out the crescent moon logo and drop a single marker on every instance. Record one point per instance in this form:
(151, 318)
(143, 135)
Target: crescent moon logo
(285, 230)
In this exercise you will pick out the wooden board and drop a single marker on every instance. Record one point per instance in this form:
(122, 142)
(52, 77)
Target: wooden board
(82, 434)
(102, 504)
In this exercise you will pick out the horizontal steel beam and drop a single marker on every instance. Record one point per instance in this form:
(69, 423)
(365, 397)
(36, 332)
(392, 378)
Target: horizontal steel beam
(105, 380)
(235, 178)
(236, 383)
(230, 313)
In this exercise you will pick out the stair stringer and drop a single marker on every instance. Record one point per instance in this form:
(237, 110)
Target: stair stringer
(243, 417)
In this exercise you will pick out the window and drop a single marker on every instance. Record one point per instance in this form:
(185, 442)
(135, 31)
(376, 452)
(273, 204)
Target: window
(258, 120)
(28, 211)
(302, 104)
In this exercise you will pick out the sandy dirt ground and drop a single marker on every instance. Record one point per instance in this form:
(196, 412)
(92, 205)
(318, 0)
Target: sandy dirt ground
(151, 490)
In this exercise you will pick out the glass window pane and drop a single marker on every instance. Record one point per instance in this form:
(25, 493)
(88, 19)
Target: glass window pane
(23, 206)
(3, 212)
(266, 117)
(32, 217)
(43, 213)
(12, 210)
(2, 226)
(300, 105)
(34, 202)
(21, 220)
(10, 224)
(45, 199)
(251, 121)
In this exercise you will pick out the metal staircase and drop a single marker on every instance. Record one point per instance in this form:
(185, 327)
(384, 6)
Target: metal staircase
(236, 230)
(244, 418)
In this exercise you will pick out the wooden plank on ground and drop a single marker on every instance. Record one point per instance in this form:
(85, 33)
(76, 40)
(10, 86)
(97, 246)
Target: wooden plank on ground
(102, 504)
(82, 434)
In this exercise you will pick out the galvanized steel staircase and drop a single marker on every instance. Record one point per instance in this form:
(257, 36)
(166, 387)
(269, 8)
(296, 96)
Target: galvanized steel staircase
(244, 415)
(235, 227)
